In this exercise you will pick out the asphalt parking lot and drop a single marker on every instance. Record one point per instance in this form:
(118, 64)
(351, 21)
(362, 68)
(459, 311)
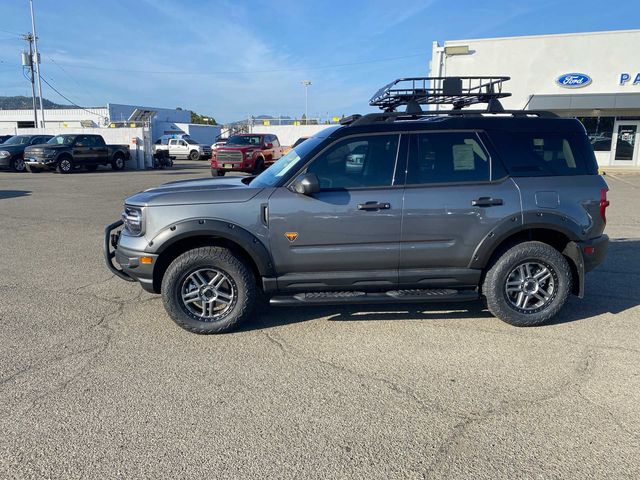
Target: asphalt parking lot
(97, 382)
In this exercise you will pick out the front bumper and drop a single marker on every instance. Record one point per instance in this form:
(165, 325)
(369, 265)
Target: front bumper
(124, 262)
(35, 163)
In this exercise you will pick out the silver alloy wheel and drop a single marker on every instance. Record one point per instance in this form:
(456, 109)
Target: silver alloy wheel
(19, 165)
(65, 165)
(530, 287)
(208, 294)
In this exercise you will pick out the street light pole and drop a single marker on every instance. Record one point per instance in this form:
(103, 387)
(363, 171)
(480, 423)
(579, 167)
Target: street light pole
(36, 60)
(306, 84)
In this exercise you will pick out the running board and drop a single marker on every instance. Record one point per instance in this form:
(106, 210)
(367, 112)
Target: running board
(392, 296)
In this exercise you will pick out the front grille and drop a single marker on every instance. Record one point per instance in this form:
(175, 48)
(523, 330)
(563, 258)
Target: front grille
(228, 156)
(206, 150)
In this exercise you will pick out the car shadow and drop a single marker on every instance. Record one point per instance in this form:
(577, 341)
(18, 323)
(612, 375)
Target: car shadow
(612, 288)
(14, 193)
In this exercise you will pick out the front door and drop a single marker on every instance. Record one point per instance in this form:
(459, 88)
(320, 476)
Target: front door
(81, 150)
(450, 205)
(624, 147)
(347, 236)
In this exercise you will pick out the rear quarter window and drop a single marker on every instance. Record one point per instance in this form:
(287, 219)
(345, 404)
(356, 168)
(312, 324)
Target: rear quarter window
(530, 154)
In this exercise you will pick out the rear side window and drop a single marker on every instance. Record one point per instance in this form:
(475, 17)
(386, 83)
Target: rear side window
(545, 154)
(451, 157)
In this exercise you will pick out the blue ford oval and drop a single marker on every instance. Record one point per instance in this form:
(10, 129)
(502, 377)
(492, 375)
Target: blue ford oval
(573, 80)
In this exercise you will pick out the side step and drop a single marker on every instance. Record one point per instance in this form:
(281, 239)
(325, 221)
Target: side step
(392, 296)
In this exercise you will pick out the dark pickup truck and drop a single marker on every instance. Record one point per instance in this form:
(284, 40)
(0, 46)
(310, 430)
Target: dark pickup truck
(65, 153)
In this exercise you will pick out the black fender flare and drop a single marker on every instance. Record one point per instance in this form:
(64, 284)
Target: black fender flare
(197, 227)
(516, 224)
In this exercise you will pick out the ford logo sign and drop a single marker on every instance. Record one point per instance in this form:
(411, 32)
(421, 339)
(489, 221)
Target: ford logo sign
(573, 80)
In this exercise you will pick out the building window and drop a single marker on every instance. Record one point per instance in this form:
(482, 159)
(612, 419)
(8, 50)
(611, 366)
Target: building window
(599, 131)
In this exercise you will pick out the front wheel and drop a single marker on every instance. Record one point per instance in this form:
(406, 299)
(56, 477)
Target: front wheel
(217, 173)
(209, 290)
(65, 165)
(528, 284)
(259, 167)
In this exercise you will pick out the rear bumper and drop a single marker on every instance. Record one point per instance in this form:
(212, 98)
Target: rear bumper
(594, 251)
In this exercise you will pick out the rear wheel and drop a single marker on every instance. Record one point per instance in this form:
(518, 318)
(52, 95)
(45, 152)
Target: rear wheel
(194, 155)
(117, 163)
(528, 284)
(65, 165)
(17, 164)
(209, 290)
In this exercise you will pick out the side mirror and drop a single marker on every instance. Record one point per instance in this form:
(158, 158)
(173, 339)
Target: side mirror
(268, 145)
(306, 184)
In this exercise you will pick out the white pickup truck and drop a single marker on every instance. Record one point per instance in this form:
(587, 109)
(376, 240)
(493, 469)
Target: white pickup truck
(184, 148)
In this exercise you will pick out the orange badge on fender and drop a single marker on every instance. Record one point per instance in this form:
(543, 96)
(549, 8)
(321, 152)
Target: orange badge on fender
(291, 236)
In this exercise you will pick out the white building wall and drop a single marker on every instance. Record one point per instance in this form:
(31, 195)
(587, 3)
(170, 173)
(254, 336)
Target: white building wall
(535, 62)
(288, 134)
(55, 118)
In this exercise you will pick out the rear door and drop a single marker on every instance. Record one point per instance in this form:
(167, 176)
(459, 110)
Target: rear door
(99, 150)
(81, 150)
(348, 234)
(455, 195)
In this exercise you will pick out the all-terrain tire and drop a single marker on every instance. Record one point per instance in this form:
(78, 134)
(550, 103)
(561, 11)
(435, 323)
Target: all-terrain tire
(222, 259)
(494, 287)
(217, 173)
(258, 168)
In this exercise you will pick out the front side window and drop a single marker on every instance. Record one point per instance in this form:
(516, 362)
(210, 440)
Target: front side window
(358, 162)
(448, 157)
(17, 140)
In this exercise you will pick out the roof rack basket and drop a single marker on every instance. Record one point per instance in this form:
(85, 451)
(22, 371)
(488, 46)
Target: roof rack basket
(457, 91)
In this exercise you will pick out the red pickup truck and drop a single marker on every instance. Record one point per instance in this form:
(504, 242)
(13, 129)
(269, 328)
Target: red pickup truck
(246, 152)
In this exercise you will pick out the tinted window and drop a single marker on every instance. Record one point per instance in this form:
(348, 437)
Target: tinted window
(542, 154)
(447, 158)
(98, 141)
(357, 162)
(82, 140)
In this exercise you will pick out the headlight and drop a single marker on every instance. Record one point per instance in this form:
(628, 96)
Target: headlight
(4, 154)
(133, 221)
(248, 154)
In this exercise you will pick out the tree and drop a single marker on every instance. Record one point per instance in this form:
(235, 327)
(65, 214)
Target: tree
(202, 119)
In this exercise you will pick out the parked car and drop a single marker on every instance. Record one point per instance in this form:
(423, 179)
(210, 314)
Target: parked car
(185, 148)
(219, 143)
(12, 151)
(444, 206)
(246, 152)
(65, 153)
(4, 138)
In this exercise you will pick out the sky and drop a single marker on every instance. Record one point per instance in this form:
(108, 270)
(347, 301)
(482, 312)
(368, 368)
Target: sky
(231, 58)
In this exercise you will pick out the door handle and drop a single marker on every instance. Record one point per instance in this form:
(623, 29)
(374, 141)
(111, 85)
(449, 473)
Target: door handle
(374, 206)
(486, 202)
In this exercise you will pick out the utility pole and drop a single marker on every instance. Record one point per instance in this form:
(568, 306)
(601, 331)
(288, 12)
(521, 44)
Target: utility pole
(306, 84)
(27, 61)
(37, 61)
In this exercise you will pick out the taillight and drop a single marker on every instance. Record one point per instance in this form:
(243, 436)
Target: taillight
(604, 203)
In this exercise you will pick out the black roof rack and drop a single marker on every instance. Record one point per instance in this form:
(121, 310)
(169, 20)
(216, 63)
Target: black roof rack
(457, 91)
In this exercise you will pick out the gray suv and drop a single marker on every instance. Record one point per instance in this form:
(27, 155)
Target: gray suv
(411, 206)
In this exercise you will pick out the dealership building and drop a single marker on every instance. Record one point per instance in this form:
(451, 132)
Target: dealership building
(590, 76)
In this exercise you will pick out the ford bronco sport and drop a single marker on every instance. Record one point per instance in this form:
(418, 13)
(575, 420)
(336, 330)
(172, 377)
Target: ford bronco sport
(395, 206)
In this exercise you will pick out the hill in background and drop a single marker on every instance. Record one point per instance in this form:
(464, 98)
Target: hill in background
(25, 103)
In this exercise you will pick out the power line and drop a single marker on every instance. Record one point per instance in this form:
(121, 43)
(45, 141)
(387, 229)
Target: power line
(69, 100)
(240, 72)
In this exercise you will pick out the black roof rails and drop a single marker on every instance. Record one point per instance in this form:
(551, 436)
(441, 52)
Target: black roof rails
(457, 91)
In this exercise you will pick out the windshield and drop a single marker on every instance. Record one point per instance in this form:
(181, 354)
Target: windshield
(296, 156)
(244, 140)
(18, 140)
(62, 140)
